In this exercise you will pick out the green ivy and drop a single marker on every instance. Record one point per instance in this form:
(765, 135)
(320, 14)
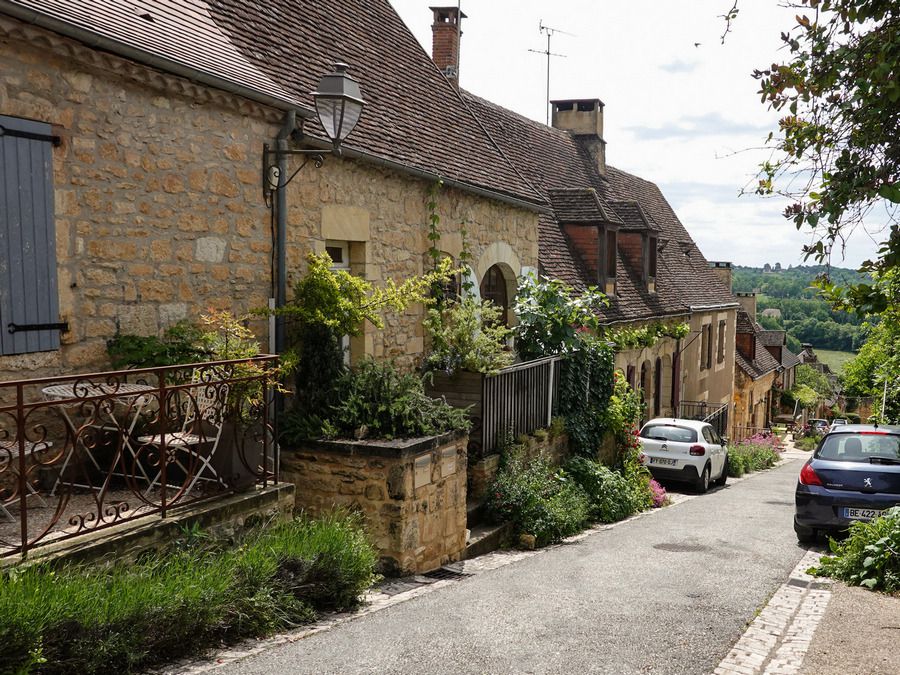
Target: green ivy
(646, 336)
(585, 388)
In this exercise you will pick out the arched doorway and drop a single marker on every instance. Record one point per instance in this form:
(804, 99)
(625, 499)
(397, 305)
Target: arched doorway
(494, 287)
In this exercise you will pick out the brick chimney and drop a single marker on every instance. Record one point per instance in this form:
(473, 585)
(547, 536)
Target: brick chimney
(445, 41)
(584, 119)
(724, 271)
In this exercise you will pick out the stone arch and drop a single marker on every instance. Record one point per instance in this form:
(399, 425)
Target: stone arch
(498, 269)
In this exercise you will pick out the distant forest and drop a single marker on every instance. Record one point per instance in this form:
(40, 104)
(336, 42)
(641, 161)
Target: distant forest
(805, 316)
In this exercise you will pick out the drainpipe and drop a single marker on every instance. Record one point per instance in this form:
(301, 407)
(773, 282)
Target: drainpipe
(676, 375)
(281, 143)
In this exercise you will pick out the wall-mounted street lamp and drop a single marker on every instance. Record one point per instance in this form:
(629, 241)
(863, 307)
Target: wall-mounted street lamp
(339, 104)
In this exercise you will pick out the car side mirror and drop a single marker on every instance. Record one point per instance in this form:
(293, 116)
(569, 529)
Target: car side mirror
(724, 441)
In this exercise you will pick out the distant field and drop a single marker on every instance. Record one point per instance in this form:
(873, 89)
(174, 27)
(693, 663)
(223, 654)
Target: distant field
(835, 360)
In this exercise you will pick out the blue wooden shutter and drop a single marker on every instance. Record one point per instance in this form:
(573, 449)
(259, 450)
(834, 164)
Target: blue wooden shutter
(28, 286)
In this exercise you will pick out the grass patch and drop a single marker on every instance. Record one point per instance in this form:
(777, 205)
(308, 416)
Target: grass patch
(834, 359)
(126, 618)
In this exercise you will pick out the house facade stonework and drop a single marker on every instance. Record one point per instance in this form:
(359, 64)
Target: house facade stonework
(159, 209)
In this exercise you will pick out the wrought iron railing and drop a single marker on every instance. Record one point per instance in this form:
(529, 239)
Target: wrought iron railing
(85, 452)
(714, 413)
(518, 400)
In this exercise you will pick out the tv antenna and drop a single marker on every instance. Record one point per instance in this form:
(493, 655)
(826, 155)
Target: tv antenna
(550, 32)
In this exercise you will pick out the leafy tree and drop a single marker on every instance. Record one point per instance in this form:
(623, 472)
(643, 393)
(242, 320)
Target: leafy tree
(876, 369)
(837, 155)
(807, 376)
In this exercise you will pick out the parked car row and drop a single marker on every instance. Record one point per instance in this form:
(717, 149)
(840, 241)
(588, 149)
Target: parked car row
(684, 450)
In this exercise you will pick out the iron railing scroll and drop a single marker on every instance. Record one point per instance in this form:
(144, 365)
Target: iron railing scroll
(81, 453)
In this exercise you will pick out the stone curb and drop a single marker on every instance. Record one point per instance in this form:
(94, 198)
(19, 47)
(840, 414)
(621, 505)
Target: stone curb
(775, 643)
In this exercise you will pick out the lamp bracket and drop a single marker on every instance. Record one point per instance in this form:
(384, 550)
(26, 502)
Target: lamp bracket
(271, 172)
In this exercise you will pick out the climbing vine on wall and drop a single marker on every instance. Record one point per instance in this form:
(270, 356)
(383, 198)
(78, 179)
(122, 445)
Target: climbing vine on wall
(646, 336)
(585, 388)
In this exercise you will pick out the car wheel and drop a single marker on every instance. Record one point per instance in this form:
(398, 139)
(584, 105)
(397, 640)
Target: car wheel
(702, 484)
(806, 535)
(721, 480)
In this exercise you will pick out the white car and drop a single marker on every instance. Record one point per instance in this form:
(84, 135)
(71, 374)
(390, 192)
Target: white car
(684, 450)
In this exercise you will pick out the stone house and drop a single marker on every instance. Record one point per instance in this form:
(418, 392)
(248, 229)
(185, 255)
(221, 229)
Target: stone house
(615, 231)
(132, 152)
(758, 371)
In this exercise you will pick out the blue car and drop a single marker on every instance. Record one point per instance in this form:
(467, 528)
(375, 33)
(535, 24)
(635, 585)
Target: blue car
(853, 475)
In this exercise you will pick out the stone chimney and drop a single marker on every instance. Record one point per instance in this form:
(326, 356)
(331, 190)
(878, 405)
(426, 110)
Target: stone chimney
(748, 302)
(445, 41)
(723, 271)
(584, 118)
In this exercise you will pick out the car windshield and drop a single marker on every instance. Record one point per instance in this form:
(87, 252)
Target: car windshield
(860, 447)
(669, 432)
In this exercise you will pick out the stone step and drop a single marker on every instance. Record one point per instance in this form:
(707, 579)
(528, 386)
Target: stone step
(486, 538)
(475, 513)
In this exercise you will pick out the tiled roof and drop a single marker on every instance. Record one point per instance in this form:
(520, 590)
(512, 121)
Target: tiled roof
(688, 271)
(744, 324)
(554, 160)
(772, 338)
(581, 205)
(413, 115)
(763, 364)
(789, 359)
(633, 216)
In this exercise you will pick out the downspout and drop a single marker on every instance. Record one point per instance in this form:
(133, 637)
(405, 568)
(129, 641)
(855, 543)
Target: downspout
(281, 144)
(676, 375)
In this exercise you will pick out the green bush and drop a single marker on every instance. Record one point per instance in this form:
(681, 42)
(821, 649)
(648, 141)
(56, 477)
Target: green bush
(612, 496)
(380, 401)
(538, 500)
(807, 443)
(467, 335)
(870, 556)
(376, 400)
(747, 458)
(127, 618)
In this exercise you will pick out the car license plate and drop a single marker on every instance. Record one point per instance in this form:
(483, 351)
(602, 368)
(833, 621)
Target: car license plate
(663, 460)
(861, 514)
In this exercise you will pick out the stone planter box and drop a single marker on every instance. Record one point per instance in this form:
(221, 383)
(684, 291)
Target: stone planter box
(412, 493)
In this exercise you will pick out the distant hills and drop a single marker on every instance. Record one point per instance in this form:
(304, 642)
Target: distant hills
(803, 314)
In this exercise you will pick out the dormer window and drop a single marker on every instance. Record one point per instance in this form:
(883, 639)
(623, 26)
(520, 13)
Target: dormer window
(651, 263)
(611, 244)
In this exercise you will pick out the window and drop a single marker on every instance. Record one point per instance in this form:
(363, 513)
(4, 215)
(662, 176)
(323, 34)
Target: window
(707, 434)
(29, 299)
(339, 252)
(652, 258)
(706, 346)
(669, 432)
(720, 357)
(611, 261)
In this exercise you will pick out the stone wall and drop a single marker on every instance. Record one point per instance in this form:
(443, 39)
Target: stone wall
(160, 213)
(412, 493)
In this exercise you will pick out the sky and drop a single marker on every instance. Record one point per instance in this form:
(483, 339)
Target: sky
(681, 108)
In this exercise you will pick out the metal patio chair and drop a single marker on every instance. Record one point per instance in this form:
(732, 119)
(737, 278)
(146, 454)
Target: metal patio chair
(204, 409)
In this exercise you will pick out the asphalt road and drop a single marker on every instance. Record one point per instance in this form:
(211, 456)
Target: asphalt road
(666, 593)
